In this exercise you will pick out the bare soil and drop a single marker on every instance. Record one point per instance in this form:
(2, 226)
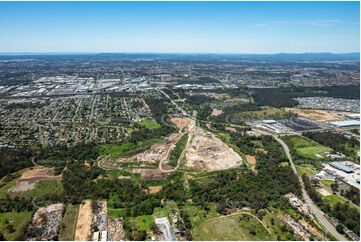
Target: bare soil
(209, 153)
(84, 223)
(216, 112)
(23, 186)
(39, 173)
(319, 115)
(154, 189)
(151, 174)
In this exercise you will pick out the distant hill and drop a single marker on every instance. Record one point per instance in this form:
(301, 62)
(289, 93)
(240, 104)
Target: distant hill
(179, 56)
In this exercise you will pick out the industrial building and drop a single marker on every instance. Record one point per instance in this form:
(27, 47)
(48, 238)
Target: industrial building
(342, 167)
(346, 123)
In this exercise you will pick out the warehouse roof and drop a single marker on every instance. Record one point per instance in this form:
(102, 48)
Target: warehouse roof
(346, 123)
(341, 166)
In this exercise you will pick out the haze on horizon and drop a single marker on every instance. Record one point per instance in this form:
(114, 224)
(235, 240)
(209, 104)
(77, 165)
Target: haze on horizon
(180, 27)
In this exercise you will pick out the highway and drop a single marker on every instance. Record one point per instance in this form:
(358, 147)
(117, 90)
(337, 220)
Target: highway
(315, 210)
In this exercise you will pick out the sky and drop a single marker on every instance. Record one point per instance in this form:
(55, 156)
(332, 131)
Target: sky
(180, 27)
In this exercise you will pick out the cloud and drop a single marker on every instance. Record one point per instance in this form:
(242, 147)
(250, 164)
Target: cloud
(317, 22)
(270, 23)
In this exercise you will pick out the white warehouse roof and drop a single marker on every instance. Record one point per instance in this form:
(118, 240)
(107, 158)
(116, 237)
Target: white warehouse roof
(346, 123)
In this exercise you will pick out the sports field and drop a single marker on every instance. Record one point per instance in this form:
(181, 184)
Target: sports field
(233, 227)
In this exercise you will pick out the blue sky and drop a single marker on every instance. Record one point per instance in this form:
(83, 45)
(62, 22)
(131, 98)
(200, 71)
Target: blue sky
(211, 27)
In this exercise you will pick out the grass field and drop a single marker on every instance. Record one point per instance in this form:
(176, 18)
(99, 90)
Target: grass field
(333, 199)
(126, 149)
(41, 188)
(142, 222)
(233, 227)
(13, 224)
(116, 212)
(307, 169)
(45, 187)
(150, 123)
(266, 113)
(275, 225)
(68, 225)
(306, 148)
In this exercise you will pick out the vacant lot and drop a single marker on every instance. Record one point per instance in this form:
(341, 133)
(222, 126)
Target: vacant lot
(68, 225)
(307, 169)
(84, 223)
(233, 227)
(318, 115)
(13, 225)
(305, 148)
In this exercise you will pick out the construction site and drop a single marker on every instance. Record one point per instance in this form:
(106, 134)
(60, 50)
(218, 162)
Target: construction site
(208, 153)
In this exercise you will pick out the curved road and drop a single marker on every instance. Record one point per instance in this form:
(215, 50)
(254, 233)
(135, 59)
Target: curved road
(315, 210)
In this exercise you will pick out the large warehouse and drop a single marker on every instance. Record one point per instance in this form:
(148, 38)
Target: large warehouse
(346, 123)
(342, 167)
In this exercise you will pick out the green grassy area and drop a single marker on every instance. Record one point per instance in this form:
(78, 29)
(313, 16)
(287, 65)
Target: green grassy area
(161, 212)
(197, 216)
(275, 225)
(150, 123)
(334, 198)
(126, 149)
(6, 186)
(45, 187)
(41, 188)
(142, 222)
(68, 224)
(116, 212)
(13, 225)
(233, 227)
(306, 148)
(266, 113)
(114, 150)
(306, 169)
(327, 183)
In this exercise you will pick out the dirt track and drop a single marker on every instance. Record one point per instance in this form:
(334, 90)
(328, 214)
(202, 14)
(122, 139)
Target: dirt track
(39, 173)
(84, 223)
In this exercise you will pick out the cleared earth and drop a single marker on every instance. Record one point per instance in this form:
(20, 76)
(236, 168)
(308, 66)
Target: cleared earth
(209, 153)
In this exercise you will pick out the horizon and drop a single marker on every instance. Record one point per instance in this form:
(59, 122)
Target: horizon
(173, 53)
(180, 27)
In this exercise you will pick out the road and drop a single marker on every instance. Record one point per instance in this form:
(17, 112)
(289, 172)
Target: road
(315, 210)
